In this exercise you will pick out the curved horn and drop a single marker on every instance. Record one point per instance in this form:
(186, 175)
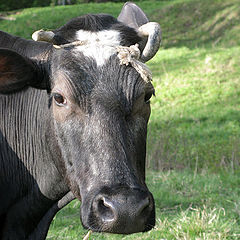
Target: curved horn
(151, 30)
(41, 35)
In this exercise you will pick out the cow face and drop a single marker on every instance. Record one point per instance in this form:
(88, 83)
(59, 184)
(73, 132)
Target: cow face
(100, 110)
(100, 118)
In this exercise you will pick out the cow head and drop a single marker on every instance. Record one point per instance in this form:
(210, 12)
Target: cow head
(100, 105)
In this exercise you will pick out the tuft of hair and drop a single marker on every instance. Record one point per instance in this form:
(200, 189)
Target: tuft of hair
(96, 23)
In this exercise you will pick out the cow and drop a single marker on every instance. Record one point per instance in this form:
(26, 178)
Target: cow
(74, 108)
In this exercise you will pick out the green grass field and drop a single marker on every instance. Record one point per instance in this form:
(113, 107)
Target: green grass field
(188, 206)
(194, 131)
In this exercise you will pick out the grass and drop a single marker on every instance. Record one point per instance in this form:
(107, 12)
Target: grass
(188, 205)
(195, 121)
(195, 116)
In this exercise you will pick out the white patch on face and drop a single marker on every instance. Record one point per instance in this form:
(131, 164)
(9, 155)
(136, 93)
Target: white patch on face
(100, 45)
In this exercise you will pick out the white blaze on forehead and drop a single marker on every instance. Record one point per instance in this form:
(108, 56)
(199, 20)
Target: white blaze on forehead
(100, 45)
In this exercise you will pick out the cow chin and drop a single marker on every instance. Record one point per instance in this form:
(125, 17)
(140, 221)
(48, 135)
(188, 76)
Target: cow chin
(121, 210)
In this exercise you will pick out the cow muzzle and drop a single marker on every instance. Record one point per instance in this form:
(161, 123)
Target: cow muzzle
(122, 210)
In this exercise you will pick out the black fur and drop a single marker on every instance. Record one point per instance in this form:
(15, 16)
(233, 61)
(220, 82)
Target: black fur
(95, 23)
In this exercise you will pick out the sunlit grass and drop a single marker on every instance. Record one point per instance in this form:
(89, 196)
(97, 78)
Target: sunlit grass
(200, 223)
(196, 112)
(188, 206)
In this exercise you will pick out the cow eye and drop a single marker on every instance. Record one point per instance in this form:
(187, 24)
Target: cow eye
(59, 99)
(148, 97)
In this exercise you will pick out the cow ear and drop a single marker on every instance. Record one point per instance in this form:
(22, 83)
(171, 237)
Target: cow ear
(18, 72)
(132, 15)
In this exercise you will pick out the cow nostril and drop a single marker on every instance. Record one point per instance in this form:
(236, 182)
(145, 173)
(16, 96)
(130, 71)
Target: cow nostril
(105, 210)
(122, 211)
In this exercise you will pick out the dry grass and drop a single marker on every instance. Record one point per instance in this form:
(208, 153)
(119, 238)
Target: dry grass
(204, 223)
